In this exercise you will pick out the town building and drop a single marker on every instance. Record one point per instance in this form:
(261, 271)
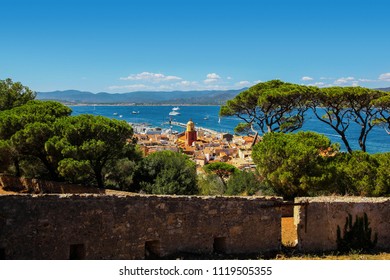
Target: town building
(202, 146)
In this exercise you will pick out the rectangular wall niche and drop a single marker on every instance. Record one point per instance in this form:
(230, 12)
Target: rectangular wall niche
(2, 254)
(152, 249)
(77, 252)
(219, 245)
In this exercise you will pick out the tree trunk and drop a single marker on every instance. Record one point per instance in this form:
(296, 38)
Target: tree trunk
(254, 139)
(99, 177)
(346, 143)
(17, 168)
(52, 171)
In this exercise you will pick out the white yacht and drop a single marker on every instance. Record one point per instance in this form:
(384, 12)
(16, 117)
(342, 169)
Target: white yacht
(174, 113)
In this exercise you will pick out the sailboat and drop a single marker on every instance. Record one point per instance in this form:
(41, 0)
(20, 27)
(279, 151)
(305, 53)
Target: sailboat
(219, 120)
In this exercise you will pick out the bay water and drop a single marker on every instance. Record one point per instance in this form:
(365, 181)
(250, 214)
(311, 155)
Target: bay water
(207, 117)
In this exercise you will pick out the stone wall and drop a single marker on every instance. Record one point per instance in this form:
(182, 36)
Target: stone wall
(97, 226)
(317, 220)
(134, 227)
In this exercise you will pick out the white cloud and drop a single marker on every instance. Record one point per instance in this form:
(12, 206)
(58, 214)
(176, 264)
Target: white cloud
(257, 82)
(212, 78)
(210, 81)
(384, 77)
(343, 81)
(186, 84)
(318, 84)
(149, 81)
(151, 77)
(307, 78)
(355, 83)
(244, 84)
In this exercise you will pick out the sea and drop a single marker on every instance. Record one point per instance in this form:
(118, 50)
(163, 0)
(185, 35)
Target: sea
(378, 140)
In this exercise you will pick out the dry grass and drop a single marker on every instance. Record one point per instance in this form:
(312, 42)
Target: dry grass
(351, 256)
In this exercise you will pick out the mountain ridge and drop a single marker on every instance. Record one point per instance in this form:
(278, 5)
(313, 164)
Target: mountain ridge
(214, 97)
(199, 97)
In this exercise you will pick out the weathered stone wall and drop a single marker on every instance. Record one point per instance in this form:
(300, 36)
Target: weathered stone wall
(317, 221)
(130, 227)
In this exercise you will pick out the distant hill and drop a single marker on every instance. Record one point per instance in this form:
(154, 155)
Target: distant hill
(385, 89)
(212, 97)
(204, 97)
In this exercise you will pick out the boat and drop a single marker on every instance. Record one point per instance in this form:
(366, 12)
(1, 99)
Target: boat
(174, 113)
(135, 112)
(206, 118)
(175, 108)
(115, 114)
(120, 116)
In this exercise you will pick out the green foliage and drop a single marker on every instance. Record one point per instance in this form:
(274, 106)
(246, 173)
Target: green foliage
(26, 129)
(30, 142)
(382, 104)
(360, 174)
(356, 236)
(243, 128)
(76, 149)
(32, 167)
(14, 94)
(166, 172)
(222, 169)
(120, 174)
(243, 183)
(90, 141)
(338, 107)
(15, 119)
(306, 164)
(275, 106)
(382, 184)
(5, 156)
(292, 164)
(270, 106)
(76, 171)
(210, 184)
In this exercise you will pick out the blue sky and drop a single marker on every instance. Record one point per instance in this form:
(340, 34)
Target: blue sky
(123, 46)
